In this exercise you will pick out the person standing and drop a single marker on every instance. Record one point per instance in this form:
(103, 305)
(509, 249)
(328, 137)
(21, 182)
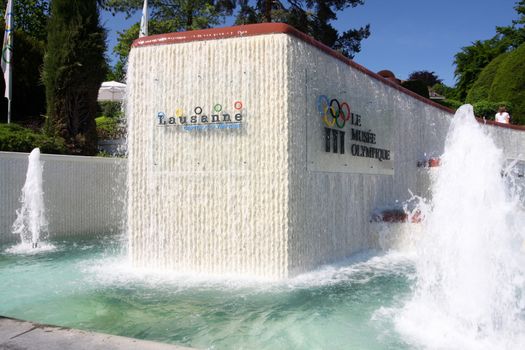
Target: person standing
(502, 116)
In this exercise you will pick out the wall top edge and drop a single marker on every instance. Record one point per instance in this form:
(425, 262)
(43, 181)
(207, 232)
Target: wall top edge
(282, 28)
(61, 157)
(500, 125)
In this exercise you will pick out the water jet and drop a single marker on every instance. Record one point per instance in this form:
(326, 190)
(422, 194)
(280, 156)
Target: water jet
(31, 222)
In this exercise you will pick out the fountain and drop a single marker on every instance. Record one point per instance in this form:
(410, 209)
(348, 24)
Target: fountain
(31, 223)
(470, 289)
(249, 189)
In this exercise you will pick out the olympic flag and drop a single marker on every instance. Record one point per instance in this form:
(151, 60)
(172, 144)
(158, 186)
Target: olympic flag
(7, 54)
(144, 20)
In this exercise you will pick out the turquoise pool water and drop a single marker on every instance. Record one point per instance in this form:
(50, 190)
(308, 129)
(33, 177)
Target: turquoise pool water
(89, 285)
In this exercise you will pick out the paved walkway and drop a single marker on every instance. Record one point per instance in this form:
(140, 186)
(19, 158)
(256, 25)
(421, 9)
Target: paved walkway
(23, 335)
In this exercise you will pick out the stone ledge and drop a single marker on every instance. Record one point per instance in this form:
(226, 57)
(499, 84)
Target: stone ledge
(24, 335)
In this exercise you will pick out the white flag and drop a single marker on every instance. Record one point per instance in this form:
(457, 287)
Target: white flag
(7, 48)
(144, 21)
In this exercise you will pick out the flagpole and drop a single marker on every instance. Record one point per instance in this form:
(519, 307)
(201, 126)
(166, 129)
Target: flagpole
(144, 20)
(7, 55)
(9, 107)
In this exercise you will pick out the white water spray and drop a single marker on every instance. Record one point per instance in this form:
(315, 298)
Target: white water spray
(470, 290)
(31, 222)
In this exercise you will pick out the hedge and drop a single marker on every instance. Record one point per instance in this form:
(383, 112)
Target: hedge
(502, 80)
(509, 84)
(480, 90)
(14, 138)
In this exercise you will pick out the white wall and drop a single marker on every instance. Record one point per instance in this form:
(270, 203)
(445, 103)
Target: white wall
(330, 209)
(210, 201)
(266, 199)
(83, 195)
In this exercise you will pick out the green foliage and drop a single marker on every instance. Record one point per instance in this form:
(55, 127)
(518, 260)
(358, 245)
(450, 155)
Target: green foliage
(108, 128)
(450, 103)
(429, 78)
(30, 34)
(488, 109)
(480, 90)
(416, 86)
(111, 109)
(509, 83)
(472, 59)
(312, 17)
(27, 83)
(179, 14)
(29, 44)
(104, 154)
(14, 138)
(514, 35)
(127, 37)
(444, 90)
(31, 17)
(74, 68)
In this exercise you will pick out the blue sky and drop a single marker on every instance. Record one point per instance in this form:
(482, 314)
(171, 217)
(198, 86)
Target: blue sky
(406, 35)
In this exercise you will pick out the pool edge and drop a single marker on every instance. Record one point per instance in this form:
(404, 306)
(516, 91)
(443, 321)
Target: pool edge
(27, 335)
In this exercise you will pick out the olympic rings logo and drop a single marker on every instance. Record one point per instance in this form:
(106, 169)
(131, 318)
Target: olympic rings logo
(333, 112)
(217, 108)
(7, 50)
(218, 115)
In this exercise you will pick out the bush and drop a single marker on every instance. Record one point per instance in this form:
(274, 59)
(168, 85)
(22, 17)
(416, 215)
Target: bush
(480, 90)
(108, 128)
(502, 80)
(452, 104)
(416, 86)
(509, 84)
(110, 109)
(14, 138)
(74, 68)
(444, 90)
(488, 109)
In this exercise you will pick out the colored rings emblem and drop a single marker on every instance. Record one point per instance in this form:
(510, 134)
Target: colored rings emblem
(333, 112)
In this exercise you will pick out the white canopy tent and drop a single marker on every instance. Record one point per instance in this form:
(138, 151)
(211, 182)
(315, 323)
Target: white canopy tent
(112, 91)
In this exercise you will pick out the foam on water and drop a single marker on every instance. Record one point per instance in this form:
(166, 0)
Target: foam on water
(470, 290)
(27, 248)
(360, 268)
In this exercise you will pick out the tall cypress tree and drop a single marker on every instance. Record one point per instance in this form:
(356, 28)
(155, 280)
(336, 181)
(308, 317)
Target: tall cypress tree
(74, 68)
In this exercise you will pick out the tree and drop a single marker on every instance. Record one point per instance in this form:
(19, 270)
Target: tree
(178, 14)
(27, 82)
(514, 35)
(416, 86)
(312, 17)
(450, 93)
(30, 17)
(480, 90)
(429, 78)
(166, 16)
(472, 59)
(30, 33)
(74, 68)
(125, 40)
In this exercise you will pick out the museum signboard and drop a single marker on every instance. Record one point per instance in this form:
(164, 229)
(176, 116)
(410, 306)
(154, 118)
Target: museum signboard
(347, 135)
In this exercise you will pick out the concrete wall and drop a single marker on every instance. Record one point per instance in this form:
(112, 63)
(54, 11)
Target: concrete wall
(212, 200)
(83, 195)
(266, 199)
(330, 208)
